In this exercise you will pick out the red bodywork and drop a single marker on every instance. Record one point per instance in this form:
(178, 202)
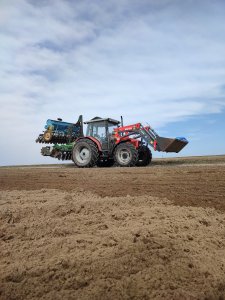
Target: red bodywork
(127, 130)
(121, 134)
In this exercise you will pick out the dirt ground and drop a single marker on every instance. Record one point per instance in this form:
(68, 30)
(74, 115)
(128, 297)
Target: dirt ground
(114, 233)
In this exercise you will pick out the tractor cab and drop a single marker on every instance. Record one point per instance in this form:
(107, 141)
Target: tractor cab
(102, 129)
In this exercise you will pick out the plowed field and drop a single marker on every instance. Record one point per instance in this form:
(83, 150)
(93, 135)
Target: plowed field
(114, 233)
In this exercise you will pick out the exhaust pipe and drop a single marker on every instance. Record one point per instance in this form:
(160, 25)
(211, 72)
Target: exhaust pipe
(121, 117)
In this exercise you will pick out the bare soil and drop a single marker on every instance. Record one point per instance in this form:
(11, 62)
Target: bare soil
(114, 233)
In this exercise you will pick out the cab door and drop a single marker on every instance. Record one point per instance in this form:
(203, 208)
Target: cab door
(99, 131)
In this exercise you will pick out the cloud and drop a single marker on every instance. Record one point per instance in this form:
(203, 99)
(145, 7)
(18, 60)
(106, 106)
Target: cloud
(155, 61)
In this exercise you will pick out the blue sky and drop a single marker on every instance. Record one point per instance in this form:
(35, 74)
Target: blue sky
(161, 62)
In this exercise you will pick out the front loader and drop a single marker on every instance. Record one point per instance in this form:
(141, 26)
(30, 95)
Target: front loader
(107, 142)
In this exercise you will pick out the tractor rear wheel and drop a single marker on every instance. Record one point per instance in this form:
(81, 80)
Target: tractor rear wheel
(125, 155)
(144, 156)
(85, 154)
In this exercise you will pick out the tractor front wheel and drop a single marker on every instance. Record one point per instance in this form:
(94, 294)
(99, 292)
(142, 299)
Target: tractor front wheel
(85, 154)
(125, 155)
(144, 156)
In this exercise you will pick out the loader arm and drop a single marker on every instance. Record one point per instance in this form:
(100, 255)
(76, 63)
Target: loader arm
(162, 144)
(151, 138)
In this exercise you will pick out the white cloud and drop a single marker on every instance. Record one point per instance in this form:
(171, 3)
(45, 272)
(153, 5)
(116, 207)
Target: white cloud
(151, 61)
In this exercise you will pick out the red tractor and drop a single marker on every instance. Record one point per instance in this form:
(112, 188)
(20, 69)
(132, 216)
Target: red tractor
(106, 143)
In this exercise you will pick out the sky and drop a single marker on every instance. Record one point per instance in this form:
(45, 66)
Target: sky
(159, 62)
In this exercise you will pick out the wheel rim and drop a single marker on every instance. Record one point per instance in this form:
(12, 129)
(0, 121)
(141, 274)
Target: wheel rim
(124, 156)
(47, 136)
(82, 155)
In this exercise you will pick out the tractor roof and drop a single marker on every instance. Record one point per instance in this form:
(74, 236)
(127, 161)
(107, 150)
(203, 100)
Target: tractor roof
(98, 119)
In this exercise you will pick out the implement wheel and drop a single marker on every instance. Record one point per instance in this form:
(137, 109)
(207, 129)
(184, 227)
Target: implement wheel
(85, 154)
(126, 155)
(47, 136)
(144, 156)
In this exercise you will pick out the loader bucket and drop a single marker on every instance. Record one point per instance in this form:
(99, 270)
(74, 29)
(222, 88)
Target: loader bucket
(171, 145)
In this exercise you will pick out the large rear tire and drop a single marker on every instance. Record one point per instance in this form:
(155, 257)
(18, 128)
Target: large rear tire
(144, 156)
(125, 155)
(85, 154)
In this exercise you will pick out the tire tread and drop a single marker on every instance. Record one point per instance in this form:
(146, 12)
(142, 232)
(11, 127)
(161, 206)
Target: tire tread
(134, 152)
(94, 152)
(146, 161)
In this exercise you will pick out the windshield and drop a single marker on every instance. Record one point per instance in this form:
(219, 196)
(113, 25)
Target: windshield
(111, 127)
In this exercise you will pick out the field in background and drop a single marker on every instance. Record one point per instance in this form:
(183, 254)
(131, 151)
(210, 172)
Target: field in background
(114, 233)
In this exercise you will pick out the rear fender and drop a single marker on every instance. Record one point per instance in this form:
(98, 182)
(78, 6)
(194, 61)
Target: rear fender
(98, 144)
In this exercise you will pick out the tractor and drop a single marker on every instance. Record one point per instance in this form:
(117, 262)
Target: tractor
(107, 142)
